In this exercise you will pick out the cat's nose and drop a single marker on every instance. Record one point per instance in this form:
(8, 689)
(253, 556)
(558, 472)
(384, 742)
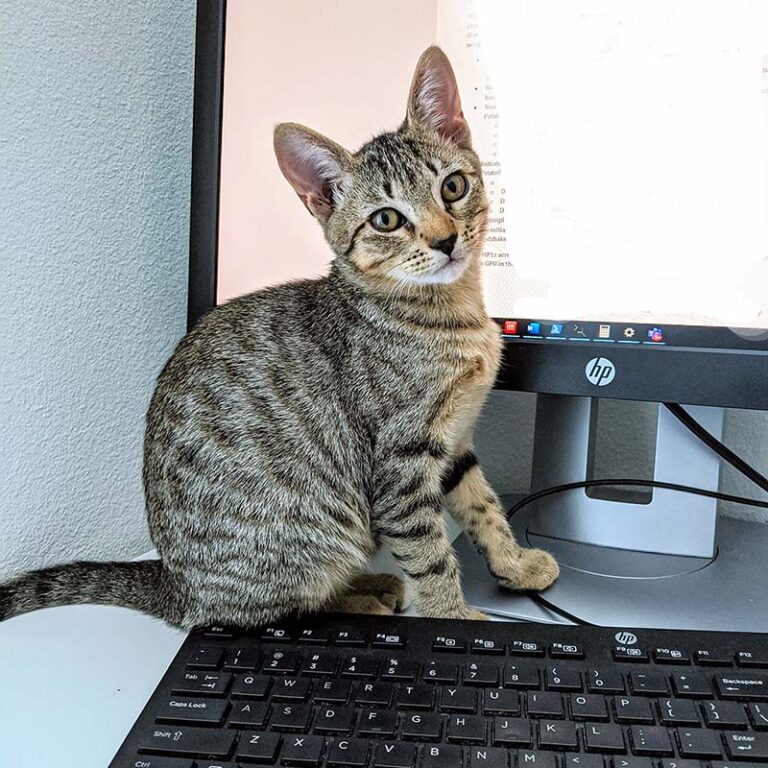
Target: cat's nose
(445, 245)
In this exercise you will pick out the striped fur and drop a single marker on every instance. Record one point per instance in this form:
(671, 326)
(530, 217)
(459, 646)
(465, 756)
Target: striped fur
(297, 428)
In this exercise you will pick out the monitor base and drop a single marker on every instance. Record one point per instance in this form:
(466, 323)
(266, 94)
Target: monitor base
(612, 587)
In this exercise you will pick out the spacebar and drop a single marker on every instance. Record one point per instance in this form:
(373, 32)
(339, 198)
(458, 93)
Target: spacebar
(187, 741)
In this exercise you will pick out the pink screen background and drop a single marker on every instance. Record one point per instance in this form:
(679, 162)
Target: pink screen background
(341, 68)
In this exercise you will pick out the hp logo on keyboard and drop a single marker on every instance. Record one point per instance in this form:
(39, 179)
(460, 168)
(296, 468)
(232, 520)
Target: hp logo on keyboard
(600, 371)
(625, 638)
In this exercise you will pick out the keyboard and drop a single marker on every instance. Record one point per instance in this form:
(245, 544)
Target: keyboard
(398, 692)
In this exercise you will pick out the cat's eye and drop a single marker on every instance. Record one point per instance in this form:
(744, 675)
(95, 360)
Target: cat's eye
(387, 220)
(454, 187)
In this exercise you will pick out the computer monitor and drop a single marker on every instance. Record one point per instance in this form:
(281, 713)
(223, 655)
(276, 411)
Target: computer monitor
(625, 153)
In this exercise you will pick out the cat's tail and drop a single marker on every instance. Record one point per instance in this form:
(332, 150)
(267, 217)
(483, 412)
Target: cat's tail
(141, 585)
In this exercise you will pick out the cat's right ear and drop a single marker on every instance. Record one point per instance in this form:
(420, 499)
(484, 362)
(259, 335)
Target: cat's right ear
(313, 165)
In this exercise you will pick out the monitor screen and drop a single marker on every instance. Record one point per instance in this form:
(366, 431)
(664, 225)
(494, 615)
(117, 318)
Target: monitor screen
(624, 148)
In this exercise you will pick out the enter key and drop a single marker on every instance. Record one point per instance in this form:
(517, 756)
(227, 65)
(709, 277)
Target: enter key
(746, 746)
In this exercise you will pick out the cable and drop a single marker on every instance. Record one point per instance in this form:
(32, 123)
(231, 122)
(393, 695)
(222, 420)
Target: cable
(719, 448)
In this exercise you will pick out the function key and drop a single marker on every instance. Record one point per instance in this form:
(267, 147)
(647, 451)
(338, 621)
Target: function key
(525, 648)
(480, 645)
(350, 638)
(276, 635)
(709, 658)
(566, 651)
(383, 640)
(622, 653)
(752, 659)
(671, 656)
(313, 637)
(206, 657)
(219, 632)
(449, 644)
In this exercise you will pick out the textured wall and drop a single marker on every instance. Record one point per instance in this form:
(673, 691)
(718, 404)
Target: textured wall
(94, 178)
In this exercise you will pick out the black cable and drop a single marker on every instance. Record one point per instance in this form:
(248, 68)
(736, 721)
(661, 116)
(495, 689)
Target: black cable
(719, 448)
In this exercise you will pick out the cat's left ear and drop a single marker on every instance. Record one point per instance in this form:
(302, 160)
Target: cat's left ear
(313, 165)
(434, 101)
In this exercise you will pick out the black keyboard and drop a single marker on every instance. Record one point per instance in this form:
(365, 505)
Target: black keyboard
(396, 692)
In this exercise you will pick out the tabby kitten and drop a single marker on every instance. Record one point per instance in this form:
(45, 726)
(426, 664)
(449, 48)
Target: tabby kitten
(279, 455)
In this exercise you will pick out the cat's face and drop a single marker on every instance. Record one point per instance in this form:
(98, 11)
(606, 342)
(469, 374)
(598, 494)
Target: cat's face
(409, 207)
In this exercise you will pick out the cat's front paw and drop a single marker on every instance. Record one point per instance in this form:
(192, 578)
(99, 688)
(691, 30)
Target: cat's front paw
(530, 569)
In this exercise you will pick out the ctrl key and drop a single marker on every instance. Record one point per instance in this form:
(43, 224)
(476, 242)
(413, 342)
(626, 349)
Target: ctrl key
(157, 762)
(187, 741)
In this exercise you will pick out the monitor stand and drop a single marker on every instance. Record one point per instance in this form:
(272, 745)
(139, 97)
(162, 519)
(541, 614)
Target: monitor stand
(669, 563)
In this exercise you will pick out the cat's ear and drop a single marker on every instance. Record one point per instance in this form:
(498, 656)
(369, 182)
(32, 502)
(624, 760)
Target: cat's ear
(434, 101)
(313, 165)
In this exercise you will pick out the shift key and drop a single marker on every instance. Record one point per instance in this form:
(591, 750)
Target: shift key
(188, 741)
(742, 685)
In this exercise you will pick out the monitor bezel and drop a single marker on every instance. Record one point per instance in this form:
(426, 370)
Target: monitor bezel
(714, 377)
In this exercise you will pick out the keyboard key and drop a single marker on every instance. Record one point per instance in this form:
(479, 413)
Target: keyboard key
(248, 714)
(562, 678)
(557, 734)
(578, 760)
(678, 712)
(251, 687)
(439, 672)
(180, 740)
(698, 742)
(487, 757)
(258, 747)
(603, 737)
(746, 686)
(650, 740)
(389, 754)
(544, 704)
(724, 714)
(302, 750)
(605, 681)
(276, 635)
(671, 656)
(203, 684)
(383, 640)
(334, 720)
(531, 758)
(511, 731)
(414, 696)
(449, 644)
(648, 684)
(481, 674)
(498, 701)
(421, 727)
(397, 669)
(441, 756)
(710, 658)
(634, 762)
(351, 638)
(466, 729)
(348, 753)
(313, 637)
(566, 651)
(291, 689)
(746, 746)
(630, 710)
(360, 666)
(281, 663)
(523, 648)
(242, 660)
(752, 659)
(588, 707)
(758, 714)
(219, 632)
(374, 694)
(377, 722)
(458, 700)
(196, 711)
(490, 647)
(291, 717)
(332, 691)
(521, 676)
(206, 657)
(622, 653)
(319, 665)
(694, 685)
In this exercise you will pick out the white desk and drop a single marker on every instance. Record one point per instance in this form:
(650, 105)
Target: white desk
(75, 679)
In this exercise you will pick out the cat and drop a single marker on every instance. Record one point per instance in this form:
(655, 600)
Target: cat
(297, 428)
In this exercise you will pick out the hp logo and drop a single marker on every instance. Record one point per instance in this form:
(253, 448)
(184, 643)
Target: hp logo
(600, 371)
(625, 638)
